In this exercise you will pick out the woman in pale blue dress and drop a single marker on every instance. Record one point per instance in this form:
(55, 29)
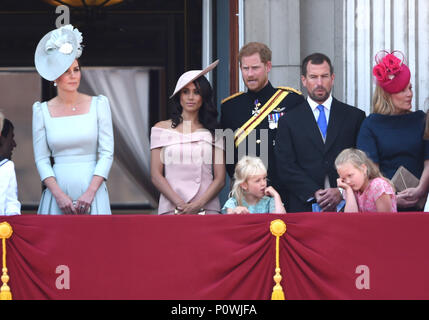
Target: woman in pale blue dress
(72, 128)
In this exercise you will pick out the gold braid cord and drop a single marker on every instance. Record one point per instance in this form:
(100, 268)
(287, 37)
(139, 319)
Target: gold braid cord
(5, 233)
(277, 228)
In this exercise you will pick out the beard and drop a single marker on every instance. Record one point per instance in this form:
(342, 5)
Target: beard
(319, 97)
(256, 84)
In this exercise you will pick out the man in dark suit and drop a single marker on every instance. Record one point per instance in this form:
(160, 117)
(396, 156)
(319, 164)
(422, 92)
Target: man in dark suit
(253, 115)
(310, 137)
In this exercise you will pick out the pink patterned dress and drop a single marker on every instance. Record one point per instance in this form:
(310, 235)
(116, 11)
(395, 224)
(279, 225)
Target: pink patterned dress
(376, 188)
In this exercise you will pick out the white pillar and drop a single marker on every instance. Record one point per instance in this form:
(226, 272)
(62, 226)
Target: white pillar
(207, 54)
(374, 25)
(240, 39)
(422, 31)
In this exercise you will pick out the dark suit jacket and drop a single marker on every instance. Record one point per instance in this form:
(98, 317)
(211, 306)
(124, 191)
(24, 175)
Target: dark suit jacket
(303, 159)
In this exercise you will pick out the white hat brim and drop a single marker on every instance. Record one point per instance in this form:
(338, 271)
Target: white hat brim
(190, 76)
(51, 65)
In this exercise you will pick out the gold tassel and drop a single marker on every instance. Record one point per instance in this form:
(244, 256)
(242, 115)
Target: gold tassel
(5, 233)
(277, 228)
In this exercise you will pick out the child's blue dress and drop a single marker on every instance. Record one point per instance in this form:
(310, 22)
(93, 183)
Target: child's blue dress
(265, 205)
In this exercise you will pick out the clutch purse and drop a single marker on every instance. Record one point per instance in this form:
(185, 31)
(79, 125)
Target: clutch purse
(403, 179)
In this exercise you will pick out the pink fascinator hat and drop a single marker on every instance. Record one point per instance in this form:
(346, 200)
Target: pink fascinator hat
(390, 72)
(190, 76)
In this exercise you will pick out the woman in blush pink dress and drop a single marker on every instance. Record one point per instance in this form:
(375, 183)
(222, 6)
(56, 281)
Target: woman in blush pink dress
(187, 161)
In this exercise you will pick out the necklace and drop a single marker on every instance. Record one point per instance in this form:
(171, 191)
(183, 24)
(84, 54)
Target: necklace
(73, 106)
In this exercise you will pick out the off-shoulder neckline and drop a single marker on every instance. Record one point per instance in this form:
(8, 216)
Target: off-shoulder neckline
(201, 130)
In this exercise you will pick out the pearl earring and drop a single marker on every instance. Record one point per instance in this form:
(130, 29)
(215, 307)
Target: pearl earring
(55, 84)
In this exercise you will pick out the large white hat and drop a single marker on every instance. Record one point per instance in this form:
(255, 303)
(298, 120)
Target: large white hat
(190, 76)
(56, 52)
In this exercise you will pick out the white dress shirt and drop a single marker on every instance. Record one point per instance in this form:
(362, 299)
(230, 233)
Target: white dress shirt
(327, 106)
(9, 204)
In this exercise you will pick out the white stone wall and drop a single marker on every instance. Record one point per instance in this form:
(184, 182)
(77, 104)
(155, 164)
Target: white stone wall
(350, 32)
(373, 25)
(276, 23)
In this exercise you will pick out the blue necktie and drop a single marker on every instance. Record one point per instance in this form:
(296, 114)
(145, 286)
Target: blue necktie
(321, 121)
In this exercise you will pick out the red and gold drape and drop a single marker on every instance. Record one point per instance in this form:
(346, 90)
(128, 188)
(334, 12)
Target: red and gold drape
(321, 256)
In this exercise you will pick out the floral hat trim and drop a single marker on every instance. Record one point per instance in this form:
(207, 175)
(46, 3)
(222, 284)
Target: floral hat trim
(391, 73)
(388, 65)
(59, 40)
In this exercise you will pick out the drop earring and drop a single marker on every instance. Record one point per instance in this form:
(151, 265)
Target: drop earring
(55, 84)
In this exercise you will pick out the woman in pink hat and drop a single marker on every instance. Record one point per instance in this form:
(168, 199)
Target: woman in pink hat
(392, 135)
(187, 160)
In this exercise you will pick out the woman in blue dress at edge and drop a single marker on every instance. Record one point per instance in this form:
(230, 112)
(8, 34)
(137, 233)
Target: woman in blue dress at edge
(392, 136)
(73, 128)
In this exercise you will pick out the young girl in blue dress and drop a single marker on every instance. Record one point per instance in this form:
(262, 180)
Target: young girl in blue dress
(250, 193)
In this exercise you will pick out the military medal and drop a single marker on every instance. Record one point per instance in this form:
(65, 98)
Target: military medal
(273, 119)
(255, 110)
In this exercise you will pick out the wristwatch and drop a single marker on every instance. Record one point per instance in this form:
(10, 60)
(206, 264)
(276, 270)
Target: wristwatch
(341, 191)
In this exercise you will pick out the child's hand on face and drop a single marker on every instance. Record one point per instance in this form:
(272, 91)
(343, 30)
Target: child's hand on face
(271, 192)
(342, 184)
(241, 210)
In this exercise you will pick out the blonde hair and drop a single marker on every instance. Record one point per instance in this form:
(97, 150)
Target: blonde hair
(246, 167)
(358, 158)
(1, 121)
(382, 102)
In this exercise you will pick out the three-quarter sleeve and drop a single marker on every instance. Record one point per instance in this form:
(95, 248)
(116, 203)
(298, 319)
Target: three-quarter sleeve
(426, 149)
(105, 138)
(366, 141)
(42, 153)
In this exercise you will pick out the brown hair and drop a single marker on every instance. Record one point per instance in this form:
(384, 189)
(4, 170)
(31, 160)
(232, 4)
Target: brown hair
(316, 58)
(255, 47)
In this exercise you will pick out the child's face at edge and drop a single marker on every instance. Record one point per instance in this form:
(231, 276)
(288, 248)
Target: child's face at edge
(255, 185)
(7, 144)
(352, 175)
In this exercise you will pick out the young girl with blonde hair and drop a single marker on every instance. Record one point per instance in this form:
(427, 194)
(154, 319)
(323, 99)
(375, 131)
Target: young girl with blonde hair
(250, 193)
(366, 190)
